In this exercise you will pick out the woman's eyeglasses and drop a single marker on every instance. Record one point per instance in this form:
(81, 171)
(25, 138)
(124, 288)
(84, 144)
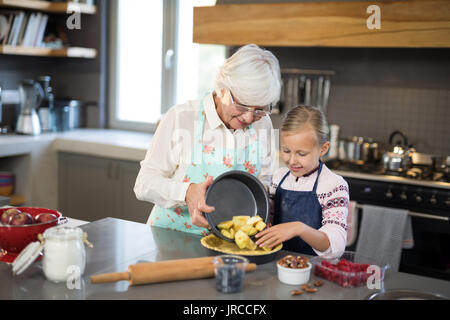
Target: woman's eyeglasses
(259, 113)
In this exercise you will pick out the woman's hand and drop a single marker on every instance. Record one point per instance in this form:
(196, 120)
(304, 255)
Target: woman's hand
(195, 201)
(279, 233)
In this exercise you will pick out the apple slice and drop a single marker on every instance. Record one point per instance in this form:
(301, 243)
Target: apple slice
(253, 220)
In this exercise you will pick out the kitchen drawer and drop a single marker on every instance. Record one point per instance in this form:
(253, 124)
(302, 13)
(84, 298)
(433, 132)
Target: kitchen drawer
(92, 188)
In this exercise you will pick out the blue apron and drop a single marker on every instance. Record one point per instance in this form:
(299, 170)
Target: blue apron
(298, 206)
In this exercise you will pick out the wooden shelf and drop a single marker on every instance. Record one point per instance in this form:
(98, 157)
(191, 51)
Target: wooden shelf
(17, 200)
(71, 52)
(51, 7)
(413, 23)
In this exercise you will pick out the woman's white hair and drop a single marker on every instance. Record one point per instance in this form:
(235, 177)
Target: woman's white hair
(253, 76)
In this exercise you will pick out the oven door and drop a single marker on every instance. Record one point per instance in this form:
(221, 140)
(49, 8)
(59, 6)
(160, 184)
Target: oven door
(430, 255)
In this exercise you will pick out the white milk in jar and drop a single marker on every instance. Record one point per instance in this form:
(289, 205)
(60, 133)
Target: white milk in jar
(64, 253)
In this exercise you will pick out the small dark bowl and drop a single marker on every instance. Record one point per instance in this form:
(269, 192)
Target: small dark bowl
(236, 193)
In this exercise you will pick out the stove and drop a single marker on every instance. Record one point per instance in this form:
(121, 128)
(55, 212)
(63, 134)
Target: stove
(422, 173)
(425, 194)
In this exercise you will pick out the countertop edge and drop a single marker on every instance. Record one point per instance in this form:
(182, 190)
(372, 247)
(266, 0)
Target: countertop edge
(99, 149)
(108, 143)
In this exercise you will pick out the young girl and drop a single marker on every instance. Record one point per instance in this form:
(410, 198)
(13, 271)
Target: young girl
(310, 202)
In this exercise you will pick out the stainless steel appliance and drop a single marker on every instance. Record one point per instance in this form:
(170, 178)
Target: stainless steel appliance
(69, 114)
(46, 109)
(31, 95)
(442, 168)
(398, 160)
(359, 150)
(308, 87)
(427, 197)
(75, 114)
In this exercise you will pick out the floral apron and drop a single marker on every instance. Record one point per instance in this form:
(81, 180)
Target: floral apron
(208, 161)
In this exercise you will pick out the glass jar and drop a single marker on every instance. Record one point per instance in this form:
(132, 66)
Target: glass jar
(46, 109)
(64, 253)
(229, 271)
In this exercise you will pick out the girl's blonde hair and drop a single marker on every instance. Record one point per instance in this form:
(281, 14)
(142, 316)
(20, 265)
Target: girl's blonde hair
(299, 117)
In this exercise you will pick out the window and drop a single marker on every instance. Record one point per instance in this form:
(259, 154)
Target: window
(197, 64)
(154, 63)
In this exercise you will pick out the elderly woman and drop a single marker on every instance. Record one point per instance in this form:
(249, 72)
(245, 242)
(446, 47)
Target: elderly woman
(229, 129)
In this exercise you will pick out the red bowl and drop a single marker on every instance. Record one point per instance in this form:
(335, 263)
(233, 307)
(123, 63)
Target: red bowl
(15, 238)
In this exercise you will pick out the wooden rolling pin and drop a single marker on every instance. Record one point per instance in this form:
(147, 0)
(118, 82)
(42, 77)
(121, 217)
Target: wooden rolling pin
(164, 271)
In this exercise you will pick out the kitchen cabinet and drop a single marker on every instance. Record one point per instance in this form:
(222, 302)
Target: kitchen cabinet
(414, 24)
(92, 188)
(128, 207)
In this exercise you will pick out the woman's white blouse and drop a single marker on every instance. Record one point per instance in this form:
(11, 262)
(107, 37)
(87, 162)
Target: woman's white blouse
(160, 179)
(333, 195)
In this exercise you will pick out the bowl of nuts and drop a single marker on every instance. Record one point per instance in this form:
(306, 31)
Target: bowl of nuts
(294, 270)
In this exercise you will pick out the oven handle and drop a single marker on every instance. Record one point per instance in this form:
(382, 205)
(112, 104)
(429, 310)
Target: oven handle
(419, 215)
(428, 216)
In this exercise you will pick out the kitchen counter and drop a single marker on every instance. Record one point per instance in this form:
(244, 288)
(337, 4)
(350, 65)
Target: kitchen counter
(116, 144)
(126, 145)
(119, 243)
(34, 159)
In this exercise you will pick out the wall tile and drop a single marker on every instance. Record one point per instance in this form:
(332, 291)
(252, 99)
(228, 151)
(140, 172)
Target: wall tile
(423, 114)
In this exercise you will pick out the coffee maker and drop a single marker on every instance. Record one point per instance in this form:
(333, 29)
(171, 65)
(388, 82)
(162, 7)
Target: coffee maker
(31, 95)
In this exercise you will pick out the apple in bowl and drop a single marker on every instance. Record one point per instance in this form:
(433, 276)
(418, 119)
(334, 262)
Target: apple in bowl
(14, 238)
(45, 217)
(15, 217)
(8, 214)
(20, 219)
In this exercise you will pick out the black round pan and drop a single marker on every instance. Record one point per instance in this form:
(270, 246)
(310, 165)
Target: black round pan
(258, 259)
(236, 193)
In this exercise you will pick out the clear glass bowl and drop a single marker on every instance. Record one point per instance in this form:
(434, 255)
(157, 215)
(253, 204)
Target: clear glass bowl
(350, 270)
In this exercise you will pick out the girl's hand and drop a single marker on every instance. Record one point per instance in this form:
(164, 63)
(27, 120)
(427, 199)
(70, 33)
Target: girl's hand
(195, 201)
(279, 233)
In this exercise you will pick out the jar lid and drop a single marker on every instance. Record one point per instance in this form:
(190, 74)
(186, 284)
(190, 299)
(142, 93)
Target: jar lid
(27, 257)
(63, 233)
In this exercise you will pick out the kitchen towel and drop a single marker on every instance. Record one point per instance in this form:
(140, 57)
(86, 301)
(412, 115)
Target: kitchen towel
(408, 239)
(381, 234)
(352, 223)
